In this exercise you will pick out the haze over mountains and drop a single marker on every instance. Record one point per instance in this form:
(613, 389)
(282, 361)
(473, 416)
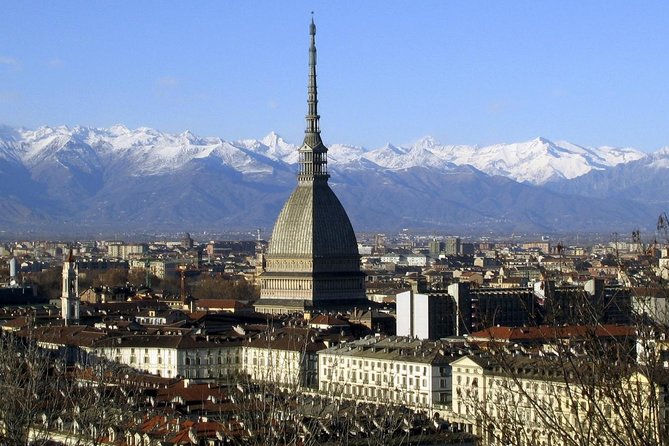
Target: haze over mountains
(70, 179)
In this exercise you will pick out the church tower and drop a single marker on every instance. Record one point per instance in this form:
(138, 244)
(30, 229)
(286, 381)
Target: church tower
(312, 260)
(69, 299)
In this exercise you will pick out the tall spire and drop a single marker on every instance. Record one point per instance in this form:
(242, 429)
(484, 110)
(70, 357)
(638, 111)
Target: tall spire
(313, 154)
(312, 91)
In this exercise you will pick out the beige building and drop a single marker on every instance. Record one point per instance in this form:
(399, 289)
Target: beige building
(160, 268)
(125, 251)
(538, 401)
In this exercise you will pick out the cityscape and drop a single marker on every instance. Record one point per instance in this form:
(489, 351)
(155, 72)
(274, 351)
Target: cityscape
(165, 289)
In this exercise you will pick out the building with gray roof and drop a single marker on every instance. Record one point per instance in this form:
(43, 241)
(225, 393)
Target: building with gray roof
(312, 261)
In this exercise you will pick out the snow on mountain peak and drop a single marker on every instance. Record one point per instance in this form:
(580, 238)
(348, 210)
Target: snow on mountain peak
(426, 142)
(272, 139)
(118, 129)
(149, 151)
(664, 151)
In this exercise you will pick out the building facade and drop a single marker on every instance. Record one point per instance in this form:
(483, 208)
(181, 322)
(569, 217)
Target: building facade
(170, 356)
(543, 401)
(312, 260)
(286, 357)
(393, 370)
(425, 316)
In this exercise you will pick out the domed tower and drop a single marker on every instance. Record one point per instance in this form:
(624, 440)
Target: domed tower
(312, 261)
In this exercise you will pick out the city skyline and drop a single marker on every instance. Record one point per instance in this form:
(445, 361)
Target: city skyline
(393, 72)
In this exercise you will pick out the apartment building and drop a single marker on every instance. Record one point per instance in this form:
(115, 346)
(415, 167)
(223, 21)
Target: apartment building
(396, 370)
(285, 357)
(526, 400)
(174, 355)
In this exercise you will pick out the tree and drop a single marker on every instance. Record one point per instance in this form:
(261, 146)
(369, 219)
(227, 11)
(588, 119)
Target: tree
(29, 383)
(48, 282)
(218, 287)
(111, 277)
(577, 382)
(42, 398)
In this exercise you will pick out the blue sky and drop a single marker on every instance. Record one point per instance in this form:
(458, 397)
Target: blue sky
(465, 72)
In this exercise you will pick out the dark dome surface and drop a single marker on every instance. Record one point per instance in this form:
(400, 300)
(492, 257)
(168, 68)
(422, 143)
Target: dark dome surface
(313, 223)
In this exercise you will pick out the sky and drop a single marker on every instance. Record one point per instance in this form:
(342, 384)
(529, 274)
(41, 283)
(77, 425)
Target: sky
(464, 72)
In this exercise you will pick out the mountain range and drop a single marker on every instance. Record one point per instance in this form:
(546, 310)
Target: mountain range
(109, 179)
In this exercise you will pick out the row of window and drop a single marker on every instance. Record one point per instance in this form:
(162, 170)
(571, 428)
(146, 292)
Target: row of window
(373, 365)
(381, 394)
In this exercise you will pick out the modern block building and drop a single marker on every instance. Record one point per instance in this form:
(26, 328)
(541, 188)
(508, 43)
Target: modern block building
(425, 316)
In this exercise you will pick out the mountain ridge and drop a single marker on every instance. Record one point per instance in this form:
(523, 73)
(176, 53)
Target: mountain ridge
(118, 176)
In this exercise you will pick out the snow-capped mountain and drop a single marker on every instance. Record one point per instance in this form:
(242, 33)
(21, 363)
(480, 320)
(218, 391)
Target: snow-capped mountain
(645, 180)
(150, 152)
(537, 162)
(136, 177)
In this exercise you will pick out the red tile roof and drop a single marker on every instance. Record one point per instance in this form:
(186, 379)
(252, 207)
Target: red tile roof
(326, 319)
(544, 332)
(222, 304)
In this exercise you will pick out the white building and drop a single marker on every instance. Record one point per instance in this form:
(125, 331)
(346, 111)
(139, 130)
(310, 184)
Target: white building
(388, 370)
(391, 258)
(425, 316)
(286, 357)
(652, 303)
(416, 260)
(174, 355)
(663, 265)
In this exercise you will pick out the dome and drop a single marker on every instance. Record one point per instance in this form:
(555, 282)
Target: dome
(313, 224)
(312, 260)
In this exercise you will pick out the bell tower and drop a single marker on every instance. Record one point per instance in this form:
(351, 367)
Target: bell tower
(69, 299)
